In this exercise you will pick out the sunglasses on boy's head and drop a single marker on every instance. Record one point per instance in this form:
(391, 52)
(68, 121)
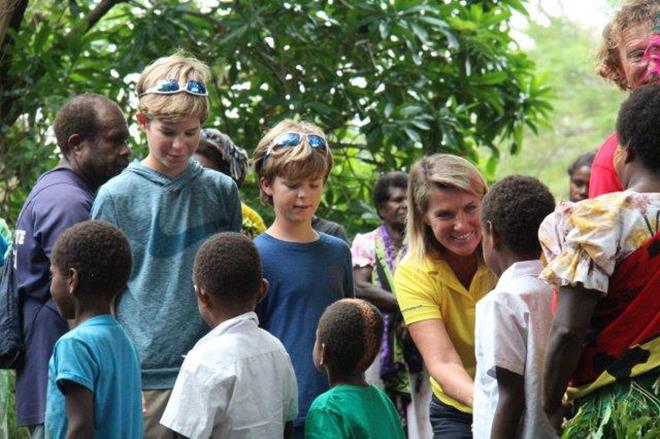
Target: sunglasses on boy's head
(172, 86)
(289, 140)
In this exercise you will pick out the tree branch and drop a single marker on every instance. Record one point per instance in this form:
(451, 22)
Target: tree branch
(11, 16)
(99, 11)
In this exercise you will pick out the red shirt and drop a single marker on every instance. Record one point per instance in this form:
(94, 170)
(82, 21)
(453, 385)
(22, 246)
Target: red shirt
(604, 178)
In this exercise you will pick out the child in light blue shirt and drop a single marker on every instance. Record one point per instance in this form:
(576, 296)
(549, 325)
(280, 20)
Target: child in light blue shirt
(94, 372)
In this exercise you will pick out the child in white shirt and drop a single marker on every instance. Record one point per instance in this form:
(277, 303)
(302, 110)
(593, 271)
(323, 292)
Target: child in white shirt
(238, 381)
(514, 319)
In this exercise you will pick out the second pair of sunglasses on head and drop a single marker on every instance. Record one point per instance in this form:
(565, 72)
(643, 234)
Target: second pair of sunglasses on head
(290, 140)
(172, 86)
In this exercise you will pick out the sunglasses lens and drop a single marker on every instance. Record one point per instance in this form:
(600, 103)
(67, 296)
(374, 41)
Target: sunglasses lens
(316, 141)
(196, 87)
(167, 85)
(288, 140)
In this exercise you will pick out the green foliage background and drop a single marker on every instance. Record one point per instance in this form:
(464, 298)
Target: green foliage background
(389, 81)
(455, 83)
(585, 105)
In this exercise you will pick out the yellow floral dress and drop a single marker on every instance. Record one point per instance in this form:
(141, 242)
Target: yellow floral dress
(611, 244)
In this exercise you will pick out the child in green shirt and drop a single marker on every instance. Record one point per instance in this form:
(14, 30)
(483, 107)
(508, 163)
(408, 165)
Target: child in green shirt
(347, 340)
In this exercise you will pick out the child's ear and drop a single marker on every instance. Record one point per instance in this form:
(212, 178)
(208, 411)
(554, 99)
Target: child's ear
(492, 234)
(142, 120)
(263, 290)
(628, 154)
(73, 281)
(202, 295)
(265, 186)
(324, 355)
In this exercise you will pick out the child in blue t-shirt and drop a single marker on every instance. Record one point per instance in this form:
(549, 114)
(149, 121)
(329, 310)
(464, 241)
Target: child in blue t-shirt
(94, 372)
(347, 341)
(306, 270)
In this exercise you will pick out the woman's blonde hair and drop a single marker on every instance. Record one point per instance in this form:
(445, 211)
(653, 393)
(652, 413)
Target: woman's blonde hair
(437, 171)
(298, 162)
(632, 13)
(174, 107)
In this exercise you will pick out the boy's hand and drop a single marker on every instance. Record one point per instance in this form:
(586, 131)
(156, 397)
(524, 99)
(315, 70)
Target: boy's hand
(144, 404)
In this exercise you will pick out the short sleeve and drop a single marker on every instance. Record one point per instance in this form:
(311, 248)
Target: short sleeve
(200, 391)
(363, 250)
(322, 423)
(580, 242)
(74, 361)
(416, 292)
(500, 335)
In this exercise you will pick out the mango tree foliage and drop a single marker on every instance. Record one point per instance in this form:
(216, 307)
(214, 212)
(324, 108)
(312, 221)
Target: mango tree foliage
(388, 80)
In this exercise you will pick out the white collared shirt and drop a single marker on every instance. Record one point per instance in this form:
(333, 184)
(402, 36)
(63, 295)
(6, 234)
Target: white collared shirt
(237, 382)
(511, 331)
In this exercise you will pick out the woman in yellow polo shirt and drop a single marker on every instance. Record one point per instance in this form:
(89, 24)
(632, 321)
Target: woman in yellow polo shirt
(441, 279)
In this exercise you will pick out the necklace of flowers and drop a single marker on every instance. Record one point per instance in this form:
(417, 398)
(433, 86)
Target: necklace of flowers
(391, 254)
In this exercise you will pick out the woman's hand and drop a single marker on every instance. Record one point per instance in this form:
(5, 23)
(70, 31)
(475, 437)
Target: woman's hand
(442, 360)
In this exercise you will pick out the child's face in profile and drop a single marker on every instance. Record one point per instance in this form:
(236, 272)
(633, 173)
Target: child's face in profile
(295, 200)
(171, 144)
(62, 295)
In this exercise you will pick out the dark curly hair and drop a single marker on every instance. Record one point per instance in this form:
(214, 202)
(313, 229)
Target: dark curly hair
(228, 267)
(351, 330)
(99, 252)
(638, 125)
(585, 159)
(79, 115)
(385, 182)
(516, 206)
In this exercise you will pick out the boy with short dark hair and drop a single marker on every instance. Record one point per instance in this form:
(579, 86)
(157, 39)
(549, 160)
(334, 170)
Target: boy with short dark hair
(347, 341)
(307, 270)
(94, 372)
(167, 205)
(514, 319)
(238, 380)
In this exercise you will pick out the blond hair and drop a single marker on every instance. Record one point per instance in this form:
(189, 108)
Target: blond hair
(174, 107)
(438, 171)
(632, 13)
(298, 162)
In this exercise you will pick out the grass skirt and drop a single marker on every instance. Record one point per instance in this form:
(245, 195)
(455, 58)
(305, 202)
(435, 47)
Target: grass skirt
(628, 408)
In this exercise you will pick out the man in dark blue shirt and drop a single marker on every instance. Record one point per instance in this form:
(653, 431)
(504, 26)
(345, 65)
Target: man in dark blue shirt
(92, 136)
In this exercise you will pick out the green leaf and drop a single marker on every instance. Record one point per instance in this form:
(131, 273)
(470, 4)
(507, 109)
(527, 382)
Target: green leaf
(492, 78)
(410, 110)
(412, 134)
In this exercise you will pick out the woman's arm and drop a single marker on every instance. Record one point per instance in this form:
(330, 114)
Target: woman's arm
(575, 308)
(442, 360)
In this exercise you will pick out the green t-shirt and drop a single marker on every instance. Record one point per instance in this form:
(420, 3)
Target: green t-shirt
(353, 412)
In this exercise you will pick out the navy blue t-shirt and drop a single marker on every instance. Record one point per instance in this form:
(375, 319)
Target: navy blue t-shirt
(60, 199)
(304, 279)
